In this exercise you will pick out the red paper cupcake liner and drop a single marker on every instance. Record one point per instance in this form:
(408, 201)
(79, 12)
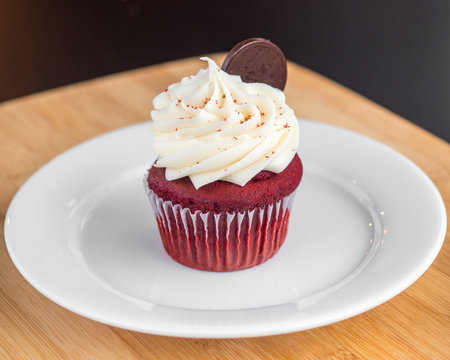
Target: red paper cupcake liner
(221, 241)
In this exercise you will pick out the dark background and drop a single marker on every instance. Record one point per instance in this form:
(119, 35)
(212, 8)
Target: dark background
(395, 52)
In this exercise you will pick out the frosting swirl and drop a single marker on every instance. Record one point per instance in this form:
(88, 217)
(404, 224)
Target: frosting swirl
(212, 126)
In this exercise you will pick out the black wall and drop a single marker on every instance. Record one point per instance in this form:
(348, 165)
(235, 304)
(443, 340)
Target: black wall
(395, 52)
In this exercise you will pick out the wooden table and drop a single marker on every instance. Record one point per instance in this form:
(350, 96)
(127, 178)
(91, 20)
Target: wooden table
(34, 129)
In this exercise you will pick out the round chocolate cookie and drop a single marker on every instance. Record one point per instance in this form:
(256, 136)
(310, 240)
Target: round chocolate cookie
(257, 60)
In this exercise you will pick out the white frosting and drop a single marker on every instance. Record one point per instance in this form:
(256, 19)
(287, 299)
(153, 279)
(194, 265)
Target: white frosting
(212, 126)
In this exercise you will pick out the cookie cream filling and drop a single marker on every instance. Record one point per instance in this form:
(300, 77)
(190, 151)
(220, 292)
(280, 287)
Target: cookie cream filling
(212, 126)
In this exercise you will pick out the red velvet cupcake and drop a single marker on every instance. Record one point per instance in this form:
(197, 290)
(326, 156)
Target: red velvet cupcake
(226, 173)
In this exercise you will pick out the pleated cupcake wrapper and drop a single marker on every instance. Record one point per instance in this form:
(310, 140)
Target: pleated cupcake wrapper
(221, 241)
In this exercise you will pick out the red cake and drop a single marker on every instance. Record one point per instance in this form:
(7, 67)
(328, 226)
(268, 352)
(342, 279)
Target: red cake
(227, 168)
(264, 188)
(223, 226)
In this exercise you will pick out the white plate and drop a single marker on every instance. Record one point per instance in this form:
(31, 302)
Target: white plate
(366, 224)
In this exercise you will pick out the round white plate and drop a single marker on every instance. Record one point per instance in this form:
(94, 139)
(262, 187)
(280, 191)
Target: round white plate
(366, 224)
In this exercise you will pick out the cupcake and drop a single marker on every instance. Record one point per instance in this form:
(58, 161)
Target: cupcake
(227, 170)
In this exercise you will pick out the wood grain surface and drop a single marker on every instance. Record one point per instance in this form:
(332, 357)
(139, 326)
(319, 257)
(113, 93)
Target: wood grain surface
(34, 129)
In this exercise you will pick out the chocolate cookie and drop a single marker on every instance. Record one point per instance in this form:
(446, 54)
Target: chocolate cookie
(257, 60)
